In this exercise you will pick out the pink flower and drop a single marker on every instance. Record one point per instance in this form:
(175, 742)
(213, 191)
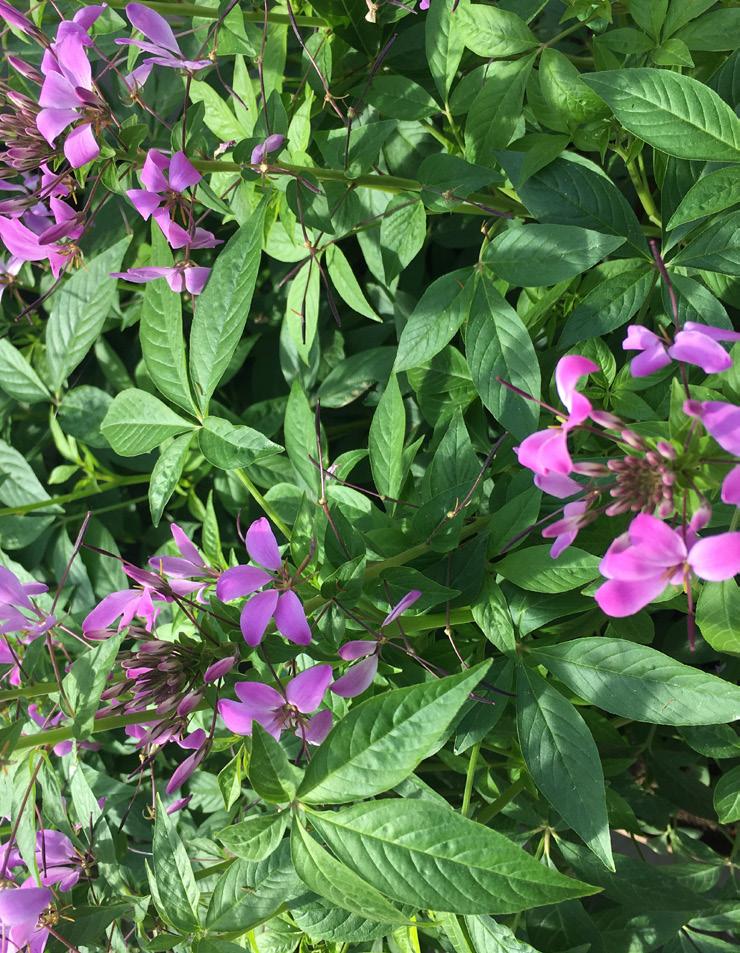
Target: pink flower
(546, 451)
(565, 530)
(124, 605)
(20, 909)
(160, 41)
(184, 276)
(694, 344)
(58, 860)
(277, 713)
(24, 245)
(197, 741)
(165, 181)
(14, 18)
(188, 565)
(721, 420)
(278, 602)
(731, 487)
(651, 555)
(360, 676)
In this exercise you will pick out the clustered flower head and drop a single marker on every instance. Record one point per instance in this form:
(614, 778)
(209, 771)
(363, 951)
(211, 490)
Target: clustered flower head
(652, 479)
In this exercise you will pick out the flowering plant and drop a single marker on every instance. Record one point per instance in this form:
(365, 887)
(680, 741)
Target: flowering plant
(369, 476)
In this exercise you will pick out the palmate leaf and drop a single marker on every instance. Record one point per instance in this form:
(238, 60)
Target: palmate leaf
(673, 113)
(426, 855)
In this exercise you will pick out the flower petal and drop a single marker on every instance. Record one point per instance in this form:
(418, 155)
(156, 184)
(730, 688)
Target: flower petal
(80, 146)
(570, 369)
(144, 201)
(651, 360)
(108, 610)
(186, 546)
(408, 600)
(23, 905)
(619, 599)
(236, 717)
(259, 699)
(716, 558)
(546, 451)
(152, 25)
(357, 679)
(731, 487)
(152, 174)
(182, 173)
(692, 347)
(50, 122)
(256, 614)
(240, 581)
(317, 728)
(262, 545)
(290, 619)
(358, 648)
(306, 690)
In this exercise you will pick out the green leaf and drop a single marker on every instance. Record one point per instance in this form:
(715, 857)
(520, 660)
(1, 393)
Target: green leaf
(173, 874)
(402, 233)
(385, 442)
(495, 113)
(727, 797)
(716, 248)
(166, 474)
(675, 114)
(491, 937)
(561, 252)
(228, 446)
(346, 284)
(718, 615)
(271, 775)
(224, 306)
(638, 682)
(218, 116)
(492, 616)
(444, 45)
(712, 193)
(85, 681)
(79, 311)
(535, 570)
(563, 759)
(565, 93)
(18, 379)
(492, 32)
(424, 854)
(608, 305)
(498, 345)
(300, 438)
(382, 740)
(572, 191)
(436, 319)
(401, 98)
(350, 378)
(160, 332)
(329, 878)
(137, 422)
(717, 31)
(256, 837)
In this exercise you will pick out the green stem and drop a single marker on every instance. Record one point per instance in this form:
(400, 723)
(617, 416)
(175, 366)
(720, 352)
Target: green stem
(212, 13)
(469, 779)
(438, 620)
(262, 502)
(70, 497)
(29, 691)
(490, 810)
(643, 193)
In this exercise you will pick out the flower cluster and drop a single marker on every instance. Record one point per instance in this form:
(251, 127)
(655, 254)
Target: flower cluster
(652, 478)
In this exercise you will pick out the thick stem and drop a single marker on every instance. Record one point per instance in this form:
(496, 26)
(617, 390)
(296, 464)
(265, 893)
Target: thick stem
(71, 497)
(211, 13)
(469, 779)
(262, 502)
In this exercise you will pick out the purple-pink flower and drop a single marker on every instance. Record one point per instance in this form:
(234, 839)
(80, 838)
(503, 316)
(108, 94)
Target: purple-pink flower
(278, 602)
(58, 860)
(20, 911)
(565, 530)
(160, 42)
(651, 555)
(720, 419)
(695, 344)
(184, 276)
(188, 565)
(261, 151)
(277, 712)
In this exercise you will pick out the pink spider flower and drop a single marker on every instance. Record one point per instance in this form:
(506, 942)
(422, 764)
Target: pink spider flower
(17, 19)
(721, 421)
(546, 451)
(68, 92)
(271, 144)
(731, 487)
(21, 913)
(188, 565)
(59, 861)
(278, 602)
(695, 344)
(565, 530)
(651, 555)
(277, 713)
(184, 276)
(25, 245)
(361, 676)
(160, 42)
(197, 741)
(165, 182)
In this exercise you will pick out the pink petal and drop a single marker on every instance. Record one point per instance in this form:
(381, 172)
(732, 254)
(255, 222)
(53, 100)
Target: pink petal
(259, 699)
(650, 361)
(262, 545)
(357, 679)
(58, 93)
(24, 905)
(716, 558)
(236, 718)
(186, 545)
(21, 241)
(54, 848)
(80, 146)
(716, 334)
(306, 690)
(359, 648)
(218, 669)
(290, 619)
(640, 338)
(140, 276)
(405, 603)
(184, 771)
(108, 610)
(666, 542)
(196, 278)
(256, 614)
(556, 484)
(152, 173)
(144, 202)
(691, 347)
(731, 487)
(317, 728)
(72, 58)
(153, 26)
(619, 599)
(546, 452)
(50, 122)
(240, 581)
(176, 235)
(182, 173)
(721, 420)
(569, 371)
